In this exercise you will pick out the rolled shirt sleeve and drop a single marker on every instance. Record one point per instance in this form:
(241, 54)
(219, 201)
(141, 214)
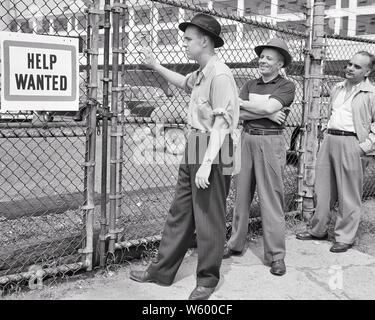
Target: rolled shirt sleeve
(223, 98)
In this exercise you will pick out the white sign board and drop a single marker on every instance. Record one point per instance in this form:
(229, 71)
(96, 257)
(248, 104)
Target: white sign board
(38, 72)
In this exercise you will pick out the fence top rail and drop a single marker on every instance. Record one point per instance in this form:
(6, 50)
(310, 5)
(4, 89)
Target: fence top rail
(354, 39)
(242, 19)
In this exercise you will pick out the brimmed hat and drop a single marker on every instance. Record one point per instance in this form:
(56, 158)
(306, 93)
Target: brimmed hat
(280, 46)
(208, 24)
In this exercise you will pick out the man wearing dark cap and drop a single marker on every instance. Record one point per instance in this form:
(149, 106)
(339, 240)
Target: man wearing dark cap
(203, 179)
(263, 155)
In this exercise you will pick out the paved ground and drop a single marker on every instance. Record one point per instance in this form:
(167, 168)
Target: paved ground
(313, 272)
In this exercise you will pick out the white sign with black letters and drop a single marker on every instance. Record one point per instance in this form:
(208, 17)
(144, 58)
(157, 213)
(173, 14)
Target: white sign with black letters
(39, 72)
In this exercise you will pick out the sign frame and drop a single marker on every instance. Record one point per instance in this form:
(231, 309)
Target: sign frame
(41, 102)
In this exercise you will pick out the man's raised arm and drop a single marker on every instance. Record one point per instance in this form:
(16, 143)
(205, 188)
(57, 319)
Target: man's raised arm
(149, 61)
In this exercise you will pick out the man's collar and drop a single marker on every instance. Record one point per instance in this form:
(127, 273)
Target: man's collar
(274, 80)
(209, 65)
(365, 85)
(207, 68)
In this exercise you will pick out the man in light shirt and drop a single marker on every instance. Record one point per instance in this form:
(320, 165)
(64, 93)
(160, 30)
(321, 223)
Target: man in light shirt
(203, 179)
(339, 167)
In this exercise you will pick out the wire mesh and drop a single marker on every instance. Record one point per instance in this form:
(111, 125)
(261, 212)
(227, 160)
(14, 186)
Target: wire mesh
(43, 185)
(41, 156)
(155, 112)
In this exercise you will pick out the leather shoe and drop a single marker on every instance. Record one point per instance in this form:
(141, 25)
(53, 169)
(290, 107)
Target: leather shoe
(201, 293)
(229, 252)
(144, 276)
(278, 267)
(307, 236)
(141, 276)
(340, 247)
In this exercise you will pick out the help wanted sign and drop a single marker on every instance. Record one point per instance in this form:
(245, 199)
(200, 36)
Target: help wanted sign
(38, 72)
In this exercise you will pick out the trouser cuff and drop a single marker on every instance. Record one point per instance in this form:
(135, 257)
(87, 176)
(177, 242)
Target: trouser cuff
(207, 282)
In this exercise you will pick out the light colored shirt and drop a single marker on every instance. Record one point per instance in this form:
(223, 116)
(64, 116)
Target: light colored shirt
(363, 109)
(213, 93)
(342, 115)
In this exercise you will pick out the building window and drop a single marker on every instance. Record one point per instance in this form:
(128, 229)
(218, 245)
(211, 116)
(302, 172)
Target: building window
(168, 14)
(25, 26)
(299, 26)
(46, 24)
(81, 22)
(168, 37)
(330, 4)
(343, 26)
(101, 41)
(228, 33)
(101, 20)
(13, 26)
(60, 24)
(257, 7)
(190, 14)
(229, 6)
(329, 25)
(287, 6)
(142, 38)
(365, 24)
(361, 3)
(126, 14)
(253, 34)
(43, 25)
(344, 3)
(126, 38)
(142, 16)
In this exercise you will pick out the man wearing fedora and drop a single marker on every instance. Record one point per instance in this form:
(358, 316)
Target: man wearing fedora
(343, 155)
(263, 155)
(203, 182)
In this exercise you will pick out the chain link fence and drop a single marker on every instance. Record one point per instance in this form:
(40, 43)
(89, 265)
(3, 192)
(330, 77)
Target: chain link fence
(154, 118)
(42, 159)
(75, 187)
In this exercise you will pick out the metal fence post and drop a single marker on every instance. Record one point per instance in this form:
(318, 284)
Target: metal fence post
(122, 103)
(314, 93)
(105, 114)
(305, 109)
(114, 196)
(89, 206)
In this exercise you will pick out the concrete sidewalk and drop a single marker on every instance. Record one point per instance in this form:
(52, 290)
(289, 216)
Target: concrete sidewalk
(313, 272)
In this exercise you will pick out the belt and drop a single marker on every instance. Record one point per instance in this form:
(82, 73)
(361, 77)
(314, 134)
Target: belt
(198, 130)
(341, 132)
(263, 132)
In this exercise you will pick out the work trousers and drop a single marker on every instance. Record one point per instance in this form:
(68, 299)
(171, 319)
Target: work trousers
(339, 177)
(262, 165)
(193, 209)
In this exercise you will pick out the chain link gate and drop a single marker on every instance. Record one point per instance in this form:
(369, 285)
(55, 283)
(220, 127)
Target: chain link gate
(148, 116)
(47, 162)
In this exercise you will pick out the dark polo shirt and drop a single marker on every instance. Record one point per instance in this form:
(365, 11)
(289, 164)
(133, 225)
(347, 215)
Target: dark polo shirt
(279, 88)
